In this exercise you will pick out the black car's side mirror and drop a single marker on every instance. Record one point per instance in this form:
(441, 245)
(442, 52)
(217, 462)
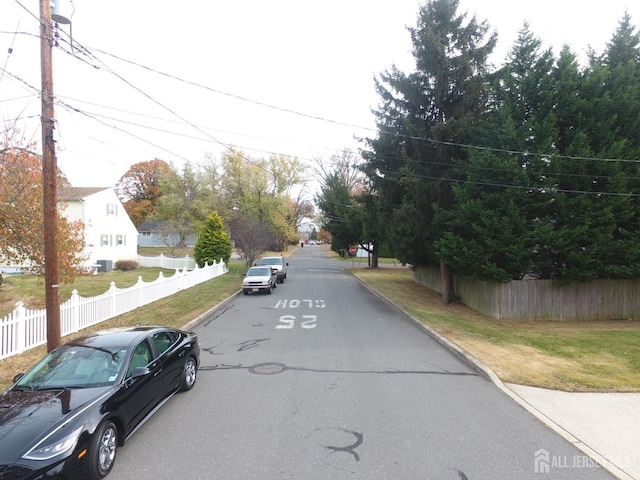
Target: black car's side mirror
(140, 372)
(18, 377)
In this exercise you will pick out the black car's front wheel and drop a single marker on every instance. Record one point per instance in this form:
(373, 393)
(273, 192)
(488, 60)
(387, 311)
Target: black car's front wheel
(189, 374)
(102, 453)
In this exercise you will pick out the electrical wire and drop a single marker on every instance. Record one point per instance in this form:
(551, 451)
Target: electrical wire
(380, 131)
(126, 132)
(10, 51)
(404, 174)
(360, 127)
(254, 137)
(237, 97)
(76, 47)
(519, 187)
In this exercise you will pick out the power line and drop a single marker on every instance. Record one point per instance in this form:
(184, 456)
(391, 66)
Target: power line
(69, 107)
(78, 48)
(177, 122)
(237, 97)
(381, 131)
(10, 51)
(468, 166)
(87, 52)
(551, 189)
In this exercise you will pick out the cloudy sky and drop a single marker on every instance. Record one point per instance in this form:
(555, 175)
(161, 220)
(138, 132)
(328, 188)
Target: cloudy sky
(141, 79)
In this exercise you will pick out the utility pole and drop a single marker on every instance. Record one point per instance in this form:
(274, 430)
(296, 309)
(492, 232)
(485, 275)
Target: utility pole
(49, 179)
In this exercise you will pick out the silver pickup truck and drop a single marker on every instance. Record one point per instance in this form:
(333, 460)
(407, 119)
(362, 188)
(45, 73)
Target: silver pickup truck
(276, 262)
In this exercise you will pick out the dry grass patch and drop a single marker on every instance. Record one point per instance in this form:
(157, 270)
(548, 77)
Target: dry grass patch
(520, 364)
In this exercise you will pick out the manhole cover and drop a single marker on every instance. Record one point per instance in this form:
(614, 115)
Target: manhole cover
(268, 368)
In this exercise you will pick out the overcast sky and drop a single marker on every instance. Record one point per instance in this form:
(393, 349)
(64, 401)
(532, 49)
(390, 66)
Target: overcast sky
(142, 79)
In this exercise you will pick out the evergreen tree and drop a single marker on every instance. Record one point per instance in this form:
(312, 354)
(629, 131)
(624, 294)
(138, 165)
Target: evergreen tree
(340, 212)
(435, 109)
(214, 243)
(549, 182)
(488, 230)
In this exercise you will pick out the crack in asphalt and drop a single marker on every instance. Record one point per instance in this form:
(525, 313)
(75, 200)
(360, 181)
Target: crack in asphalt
(250, 344)
(461, 475)
(206, 324)
(242, 346)
(271, 368)
(349, 448)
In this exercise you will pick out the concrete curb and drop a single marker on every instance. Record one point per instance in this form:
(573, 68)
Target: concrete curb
(199, 318)
(491, 376)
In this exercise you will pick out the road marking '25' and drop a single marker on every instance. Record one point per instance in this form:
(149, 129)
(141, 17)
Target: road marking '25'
(289, 321)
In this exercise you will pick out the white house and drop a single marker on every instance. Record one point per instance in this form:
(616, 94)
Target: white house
(109, 233)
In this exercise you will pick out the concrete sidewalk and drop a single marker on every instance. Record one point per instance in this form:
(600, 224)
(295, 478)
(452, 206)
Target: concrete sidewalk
(605, 426)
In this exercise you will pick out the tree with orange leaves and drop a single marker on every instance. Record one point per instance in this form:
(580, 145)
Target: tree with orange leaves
(139, 188)
(21, 212)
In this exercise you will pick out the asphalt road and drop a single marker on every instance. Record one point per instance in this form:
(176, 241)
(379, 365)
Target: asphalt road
(323, 380)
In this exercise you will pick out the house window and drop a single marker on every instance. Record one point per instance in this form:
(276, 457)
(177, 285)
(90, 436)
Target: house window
(120, 240)
(112, 209)
(105, 240)
(145, 234)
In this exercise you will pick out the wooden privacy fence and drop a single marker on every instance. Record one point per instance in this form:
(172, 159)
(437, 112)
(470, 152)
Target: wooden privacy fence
(24, 328)
(542, 299)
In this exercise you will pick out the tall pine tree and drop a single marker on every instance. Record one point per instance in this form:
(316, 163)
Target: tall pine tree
(434, 110)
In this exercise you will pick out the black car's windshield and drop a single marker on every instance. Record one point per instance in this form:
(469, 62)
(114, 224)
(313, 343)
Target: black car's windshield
(75, 366)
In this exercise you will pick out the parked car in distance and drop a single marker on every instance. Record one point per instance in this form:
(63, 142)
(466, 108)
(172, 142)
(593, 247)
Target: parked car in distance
(276, 262)
(67, 416)
(260, 279)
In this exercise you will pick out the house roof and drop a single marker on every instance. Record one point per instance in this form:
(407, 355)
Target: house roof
(78, 193)
(150, 226)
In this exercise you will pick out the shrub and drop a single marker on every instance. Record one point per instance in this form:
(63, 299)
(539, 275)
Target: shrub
(126, 265)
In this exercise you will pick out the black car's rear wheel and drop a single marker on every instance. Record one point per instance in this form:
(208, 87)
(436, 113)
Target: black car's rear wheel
(102, 453)
(189, 374)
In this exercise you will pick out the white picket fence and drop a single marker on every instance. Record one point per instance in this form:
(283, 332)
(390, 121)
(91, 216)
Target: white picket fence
(162, 261)
(24, 328)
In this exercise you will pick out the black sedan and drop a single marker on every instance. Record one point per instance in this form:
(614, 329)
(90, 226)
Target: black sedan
(66, 417)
